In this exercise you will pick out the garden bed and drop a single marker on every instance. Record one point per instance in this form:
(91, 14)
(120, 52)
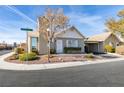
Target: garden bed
(42, 59)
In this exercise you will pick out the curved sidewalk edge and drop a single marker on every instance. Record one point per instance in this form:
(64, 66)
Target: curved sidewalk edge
(12, 66)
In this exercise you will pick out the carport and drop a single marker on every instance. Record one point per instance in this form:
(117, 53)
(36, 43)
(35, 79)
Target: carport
(93, 47)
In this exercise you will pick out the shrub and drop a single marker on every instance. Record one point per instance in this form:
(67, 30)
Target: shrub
(109, 48)
(19, 50)
(72, 49)
(27, 56)
(34, 50)
(113, 50)
(52, 51)
(89, 55)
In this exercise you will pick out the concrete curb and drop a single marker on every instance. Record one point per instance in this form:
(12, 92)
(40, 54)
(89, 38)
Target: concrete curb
(12, 66)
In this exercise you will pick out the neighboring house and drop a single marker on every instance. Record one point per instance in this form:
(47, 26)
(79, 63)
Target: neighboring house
(97, 43)
(120, 37)
(70, 37)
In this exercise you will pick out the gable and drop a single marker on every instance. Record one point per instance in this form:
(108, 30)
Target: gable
(112, 38)
(70, 33)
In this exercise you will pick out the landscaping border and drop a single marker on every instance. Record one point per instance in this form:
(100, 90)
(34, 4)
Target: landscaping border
(11, 66)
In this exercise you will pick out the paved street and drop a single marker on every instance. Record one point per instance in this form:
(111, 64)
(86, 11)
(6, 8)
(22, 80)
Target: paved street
(95, 75)
(2, 52)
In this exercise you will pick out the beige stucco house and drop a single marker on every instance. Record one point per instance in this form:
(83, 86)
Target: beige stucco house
(70, 37)
(97, 43)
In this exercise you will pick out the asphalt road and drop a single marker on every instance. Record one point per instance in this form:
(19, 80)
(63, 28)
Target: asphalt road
(2, 52)
(95, 75)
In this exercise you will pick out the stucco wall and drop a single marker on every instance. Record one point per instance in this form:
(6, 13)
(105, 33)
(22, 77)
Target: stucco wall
(70, 33)
(112, 39)
(101, 47)
(81, 44)
(120, 49)
(42, 45)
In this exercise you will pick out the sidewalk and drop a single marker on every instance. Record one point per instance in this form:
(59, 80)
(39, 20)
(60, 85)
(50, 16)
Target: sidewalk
(13, 66)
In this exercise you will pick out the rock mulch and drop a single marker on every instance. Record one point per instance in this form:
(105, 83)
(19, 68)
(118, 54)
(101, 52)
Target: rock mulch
(43, 59)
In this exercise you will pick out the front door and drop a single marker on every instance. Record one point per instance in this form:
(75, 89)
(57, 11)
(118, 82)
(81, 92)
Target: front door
(59, 46)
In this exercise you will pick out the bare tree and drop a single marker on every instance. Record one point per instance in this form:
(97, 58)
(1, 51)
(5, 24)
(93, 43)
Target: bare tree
(53, 21)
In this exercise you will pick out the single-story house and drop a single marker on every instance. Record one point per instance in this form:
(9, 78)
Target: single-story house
(96, 43)
(69, 38)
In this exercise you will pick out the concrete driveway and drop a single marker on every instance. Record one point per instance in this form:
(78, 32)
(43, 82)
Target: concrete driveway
(95, 75)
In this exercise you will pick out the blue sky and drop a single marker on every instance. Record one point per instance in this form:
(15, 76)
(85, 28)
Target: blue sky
(89, 20)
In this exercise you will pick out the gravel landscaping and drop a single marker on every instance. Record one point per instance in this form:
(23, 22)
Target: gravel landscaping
(42, 59)
(59, 58)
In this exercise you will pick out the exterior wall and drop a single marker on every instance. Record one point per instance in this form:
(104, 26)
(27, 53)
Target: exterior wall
(71, 33)
(80, 43)
(112, 39)
(101, 47)
(120, 49)
(42, 45)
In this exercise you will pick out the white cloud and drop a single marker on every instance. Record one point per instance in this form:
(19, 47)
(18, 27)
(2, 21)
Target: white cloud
(90, 20)
(88, 24)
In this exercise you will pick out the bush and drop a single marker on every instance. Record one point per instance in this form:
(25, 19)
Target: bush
(19, 50)
(34, 50)
(52, 51)
(109, 48)
(89, 55)
(113, 50)
(72, 49)
(27, 56)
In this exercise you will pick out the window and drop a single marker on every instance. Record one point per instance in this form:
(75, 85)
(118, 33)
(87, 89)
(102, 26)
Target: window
(34, 42)
(72, 43)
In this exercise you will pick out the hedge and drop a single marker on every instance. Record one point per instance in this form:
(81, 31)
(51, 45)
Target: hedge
(71, 49)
